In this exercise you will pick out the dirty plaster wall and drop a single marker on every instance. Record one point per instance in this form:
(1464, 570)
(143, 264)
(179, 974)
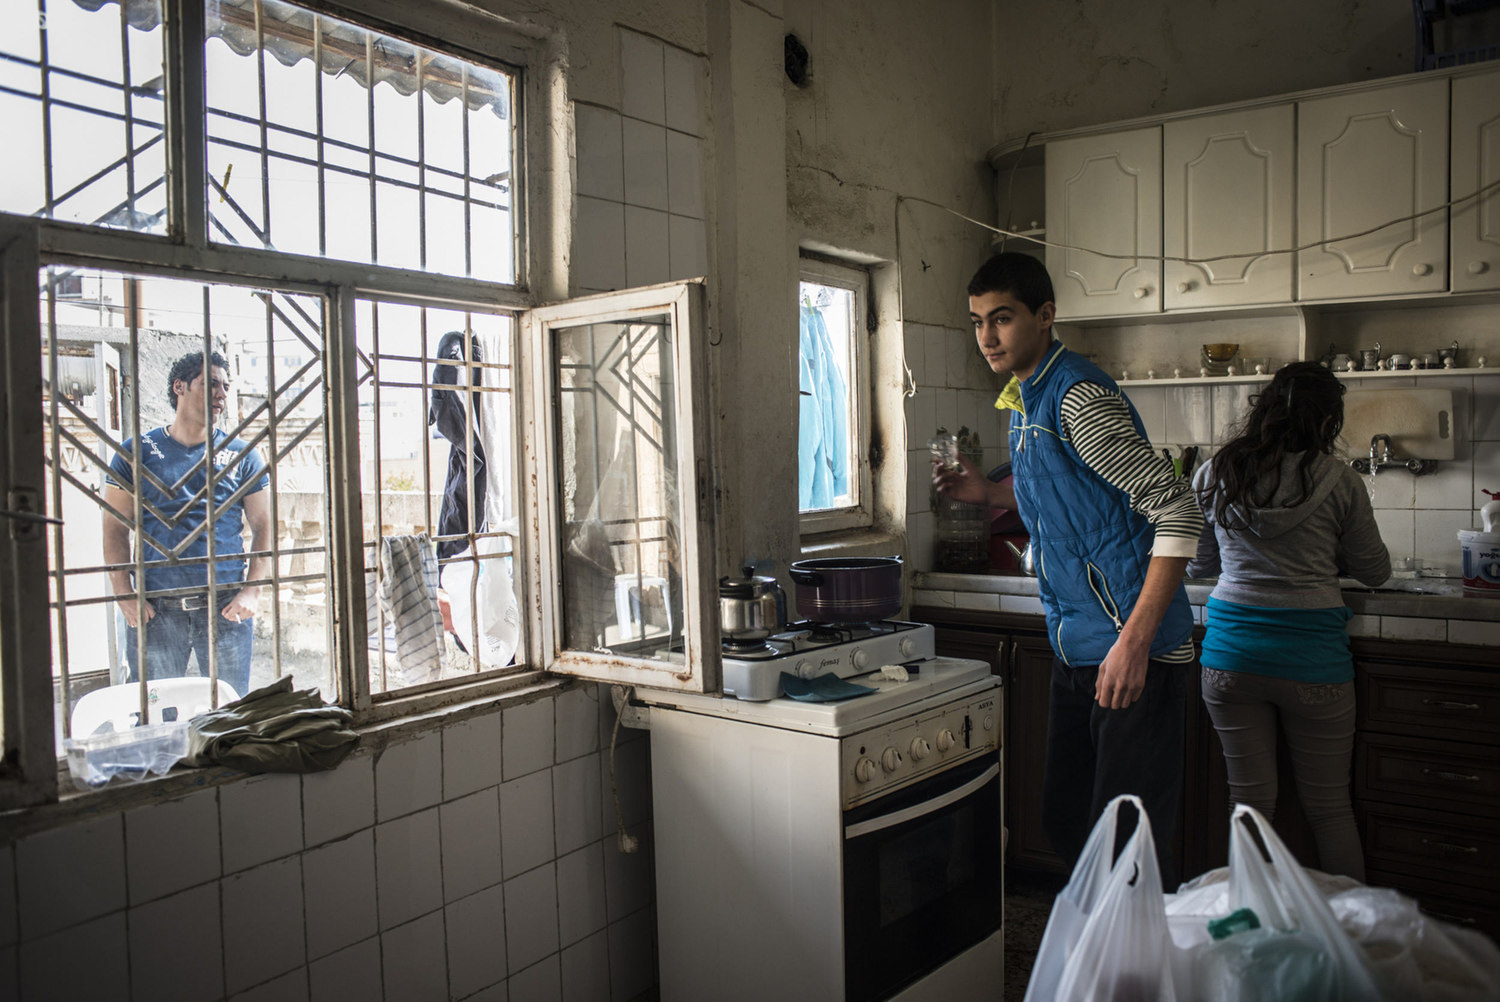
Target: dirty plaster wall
(1105, 61)
(894, 118)
(898, 103)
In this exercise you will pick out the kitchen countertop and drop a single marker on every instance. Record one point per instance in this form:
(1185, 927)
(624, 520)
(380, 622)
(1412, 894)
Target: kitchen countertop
(1414, 597)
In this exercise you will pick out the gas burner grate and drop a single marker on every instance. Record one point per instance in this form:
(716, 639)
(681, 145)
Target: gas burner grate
(748, 649)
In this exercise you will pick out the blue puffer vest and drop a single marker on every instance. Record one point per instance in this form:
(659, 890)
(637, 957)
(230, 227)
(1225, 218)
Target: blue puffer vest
(1092, 548)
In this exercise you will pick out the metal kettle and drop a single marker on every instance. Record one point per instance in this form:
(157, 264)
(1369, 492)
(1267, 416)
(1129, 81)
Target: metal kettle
(1025, 559)
(750, 607)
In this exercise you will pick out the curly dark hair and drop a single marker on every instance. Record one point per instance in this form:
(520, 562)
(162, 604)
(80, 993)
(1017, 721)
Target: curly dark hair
(1301, 410)
(188, 368)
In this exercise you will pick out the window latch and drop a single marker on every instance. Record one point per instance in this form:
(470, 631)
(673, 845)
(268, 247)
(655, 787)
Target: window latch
(26, 521)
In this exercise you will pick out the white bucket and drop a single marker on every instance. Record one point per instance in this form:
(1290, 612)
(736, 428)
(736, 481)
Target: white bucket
(1481, 561)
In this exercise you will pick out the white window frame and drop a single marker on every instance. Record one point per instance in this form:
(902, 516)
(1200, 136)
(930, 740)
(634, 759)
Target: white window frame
(861, 514)
(683, 304)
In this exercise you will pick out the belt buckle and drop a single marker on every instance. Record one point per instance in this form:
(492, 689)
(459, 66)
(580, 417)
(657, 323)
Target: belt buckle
(192, 603)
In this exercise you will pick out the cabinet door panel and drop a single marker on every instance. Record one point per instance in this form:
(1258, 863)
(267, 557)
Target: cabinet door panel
(1476, 163)
(1429, 702)
(1104, 194)
(1026, 736)
(1227, 190)
(1421, 771)
(1431, 844)
(1365, 160)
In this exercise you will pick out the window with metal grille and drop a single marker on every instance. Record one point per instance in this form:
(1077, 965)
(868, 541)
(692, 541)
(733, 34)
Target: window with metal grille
(221, 435)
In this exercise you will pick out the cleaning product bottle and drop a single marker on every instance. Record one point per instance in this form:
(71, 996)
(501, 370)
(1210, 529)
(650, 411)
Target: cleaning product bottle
(1490, 513)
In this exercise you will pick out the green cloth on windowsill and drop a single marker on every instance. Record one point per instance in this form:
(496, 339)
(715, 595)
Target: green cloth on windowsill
(273, 729)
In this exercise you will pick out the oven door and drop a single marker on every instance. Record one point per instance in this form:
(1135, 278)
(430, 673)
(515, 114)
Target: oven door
(922, 878)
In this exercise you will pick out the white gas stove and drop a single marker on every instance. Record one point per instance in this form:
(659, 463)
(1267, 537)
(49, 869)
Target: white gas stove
(807, 650)
(856, 841)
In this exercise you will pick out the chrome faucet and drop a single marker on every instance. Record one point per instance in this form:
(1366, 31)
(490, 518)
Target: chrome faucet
(1377, 458)
(1386, 457)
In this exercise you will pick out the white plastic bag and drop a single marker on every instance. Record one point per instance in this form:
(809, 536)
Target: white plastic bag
(1300, 950)
(1107, 935)
(493, 595)
(1417, 958)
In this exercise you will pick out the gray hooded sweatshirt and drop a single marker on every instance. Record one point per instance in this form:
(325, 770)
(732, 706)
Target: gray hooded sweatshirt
(1293, 557)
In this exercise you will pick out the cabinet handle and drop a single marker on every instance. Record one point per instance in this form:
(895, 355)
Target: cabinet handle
(1143, 292)
(1449, 704)
(1460, 776)
(1422, 269)
(1185, 286)
(1478, 267)
(1450, 846)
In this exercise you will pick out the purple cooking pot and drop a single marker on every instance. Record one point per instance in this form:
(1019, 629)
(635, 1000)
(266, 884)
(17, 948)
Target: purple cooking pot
(848, 589)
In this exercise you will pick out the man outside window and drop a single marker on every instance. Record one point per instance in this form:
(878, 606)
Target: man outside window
(177, 611)
(1113, 529)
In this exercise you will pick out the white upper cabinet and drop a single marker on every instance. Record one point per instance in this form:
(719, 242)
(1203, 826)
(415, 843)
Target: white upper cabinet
(1227, 203)
(1104, 194)
(1476, 163)
(1369, 164)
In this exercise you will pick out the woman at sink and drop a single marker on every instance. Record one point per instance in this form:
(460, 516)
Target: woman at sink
(1284, 519)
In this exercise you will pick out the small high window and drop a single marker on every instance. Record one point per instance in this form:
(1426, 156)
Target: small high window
(833, 480)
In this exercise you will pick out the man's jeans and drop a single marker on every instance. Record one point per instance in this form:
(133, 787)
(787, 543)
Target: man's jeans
(1095, 754)
(173, 633)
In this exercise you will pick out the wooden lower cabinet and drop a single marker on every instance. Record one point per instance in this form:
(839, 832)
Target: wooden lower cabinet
(1426, 772)
(1427, 775)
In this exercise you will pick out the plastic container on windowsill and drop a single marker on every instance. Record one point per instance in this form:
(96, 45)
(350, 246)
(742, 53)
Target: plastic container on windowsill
(133, 754)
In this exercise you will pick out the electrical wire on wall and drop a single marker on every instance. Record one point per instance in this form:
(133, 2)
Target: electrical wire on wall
(1005, 233)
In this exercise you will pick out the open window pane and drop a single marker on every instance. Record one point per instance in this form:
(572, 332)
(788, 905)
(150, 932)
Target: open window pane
(624, 489)
(621, 513)
(196, 562)
(438, 478)
(81, 98)
(329, 139)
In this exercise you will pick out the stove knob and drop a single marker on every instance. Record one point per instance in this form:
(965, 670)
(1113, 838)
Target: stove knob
(919, 749)
(860, 658)
(989, 722)
(890, 760)
(864, 770)
(805, 669)
(945, 739)
(908, 648)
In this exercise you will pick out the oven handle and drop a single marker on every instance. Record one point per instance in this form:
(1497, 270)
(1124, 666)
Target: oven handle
(937, 803)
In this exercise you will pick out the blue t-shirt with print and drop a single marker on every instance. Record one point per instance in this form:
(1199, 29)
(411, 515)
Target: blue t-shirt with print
(171, 515)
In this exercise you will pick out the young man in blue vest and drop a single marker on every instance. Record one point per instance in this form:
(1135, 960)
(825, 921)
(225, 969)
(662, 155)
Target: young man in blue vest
(1113, 529)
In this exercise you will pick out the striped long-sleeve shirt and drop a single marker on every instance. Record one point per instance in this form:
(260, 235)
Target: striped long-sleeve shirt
(1097, 422)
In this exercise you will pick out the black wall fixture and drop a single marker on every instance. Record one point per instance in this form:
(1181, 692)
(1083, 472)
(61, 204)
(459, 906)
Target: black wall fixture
(796, 60)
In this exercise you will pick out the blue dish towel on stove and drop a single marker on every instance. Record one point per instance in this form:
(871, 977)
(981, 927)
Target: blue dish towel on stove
(826, 688)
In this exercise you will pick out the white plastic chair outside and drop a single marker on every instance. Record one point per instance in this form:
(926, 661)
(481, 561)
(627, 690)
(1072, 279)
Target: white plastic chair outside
(119, 706)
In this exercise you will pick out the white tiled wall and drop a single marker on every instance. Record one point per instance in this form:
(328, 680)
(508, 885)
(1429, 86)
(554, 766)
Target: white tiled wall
(954, 389)
(474, 862)
(641, 204)
(1418, 516)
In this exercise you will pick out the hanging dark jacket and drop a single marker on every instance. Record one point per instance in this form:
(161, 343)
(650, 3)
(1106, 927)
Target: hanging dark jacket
(447, 412)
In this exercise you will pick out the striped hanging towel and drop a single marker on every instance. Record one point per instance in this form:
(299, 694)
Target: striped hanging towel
(407, 592)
